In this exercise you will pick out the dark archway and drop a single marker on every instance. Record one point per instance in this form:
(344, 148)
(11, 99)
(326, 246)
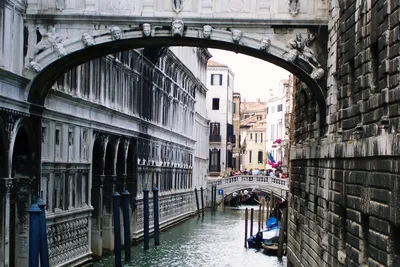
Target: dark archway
(41, 84)
(131, 169)
(97, 196)
(120, 167)
(20, 195)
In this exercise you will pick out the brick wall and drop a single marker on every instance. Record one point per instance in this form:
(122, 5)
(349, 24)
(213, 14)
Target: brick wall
(345, 185)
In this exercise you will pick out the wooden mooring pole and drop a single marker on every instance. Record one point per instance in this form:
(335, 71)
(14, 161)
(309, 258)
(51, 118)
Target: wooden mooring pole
(246, 214)
(282, 232)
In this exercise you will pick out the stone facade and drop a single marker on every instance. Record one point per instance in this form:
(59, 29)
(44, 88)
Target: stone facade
(125, 120)
(345, 182)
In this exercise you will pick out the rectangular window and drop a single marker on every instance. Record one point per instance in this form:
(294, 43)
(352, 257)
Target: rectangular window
(216, 79)
(272, 131)
(279, 107)
(256, 138)
(215, 104)
(250, 154)
(267, 110)
(57, 137)
(261, 138)
(234, 108)
(260, 156)
(251, 136)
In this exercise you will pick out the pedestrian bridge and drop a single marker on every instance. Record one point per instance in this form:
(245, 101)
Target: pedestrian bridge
(64, 34)
(268, 184)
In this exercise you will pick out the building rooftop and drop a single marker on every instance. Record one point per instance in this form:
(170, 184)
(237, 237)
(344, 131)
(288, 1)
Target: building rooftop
(212, 63)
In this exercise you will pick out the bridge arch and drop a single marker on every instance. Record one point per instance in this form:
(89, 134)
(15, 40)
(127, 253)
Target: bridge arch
(267, 189)
(58, 56)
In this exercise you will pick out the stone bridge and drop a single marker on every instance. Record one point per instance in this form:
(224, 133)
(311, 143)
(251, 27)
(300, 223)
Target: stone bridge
(66, 33)
(345, 152)
(270, 185)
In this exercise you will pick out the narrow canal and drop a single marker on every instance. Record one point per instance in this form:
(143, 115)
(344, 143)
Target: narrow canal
(213, 240)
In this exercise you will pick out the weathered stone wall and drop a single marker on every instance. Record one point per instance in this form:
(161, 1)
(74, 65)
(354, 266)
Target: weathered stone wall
(344, 208)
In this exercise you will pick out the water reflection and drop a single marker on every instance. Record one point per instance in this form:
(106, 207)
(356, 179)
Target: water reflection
(213, 240)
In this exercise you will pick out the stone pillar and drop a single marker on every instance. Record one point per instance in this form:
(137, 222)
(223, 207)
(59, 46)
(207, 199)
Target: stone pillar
(107, 217)
(97, 225)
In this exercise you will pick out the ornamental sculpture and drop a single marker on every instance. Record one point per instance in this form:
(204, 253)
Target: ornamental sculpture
(293, 7)
(299, 48)
(236, 35)
(146, 27)
(177, 28)
(116, 33)
(33, 65)
(88, 40)
(49, 39)
(59, 49)
(265, 44)
(177, 5)
(207, 29)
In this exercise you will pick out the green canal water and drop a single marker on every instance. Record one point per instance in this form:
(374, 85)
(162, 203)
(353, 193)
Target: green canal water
(217, 240)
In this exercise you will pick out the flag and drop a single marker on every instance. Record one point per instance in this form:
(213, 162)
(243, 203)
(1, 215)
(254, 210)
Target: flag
(270, 157)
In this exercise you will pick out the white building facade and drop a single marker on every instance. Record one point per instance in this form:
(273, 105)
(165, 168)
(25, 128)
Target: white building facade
(277, 134)
(220, 84)
(201, 122)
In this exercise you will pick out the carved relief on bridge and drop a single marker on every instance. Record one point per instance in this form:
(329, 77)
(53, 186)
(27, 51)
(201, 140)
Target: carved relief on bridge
(299, 48)
(275, 9)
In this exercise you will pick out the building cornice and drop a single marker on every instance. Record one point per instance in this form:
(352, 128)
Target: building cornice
(13, 79)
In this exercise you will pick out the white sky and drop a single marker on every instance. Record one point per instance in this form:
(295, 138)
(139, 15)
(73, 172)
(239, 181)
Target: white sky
(253, 76)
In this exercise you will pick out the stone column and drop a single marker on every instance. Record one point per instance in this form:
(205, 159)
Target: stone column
(108, 234)
(97, 202)
(7, 223)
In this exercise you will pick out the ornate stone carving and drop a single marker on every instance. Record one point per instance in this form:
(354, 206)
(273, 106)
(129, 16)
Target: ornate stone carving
(49, 39)
(10, 126)
(236, 35)
(146, 27)
(23, 245)
(177, 5)
(60, 4)
(36, 67)
(116, 33)
(207, 29)
(293, 7)
(59, 49)
(88, 40)
(299, 48)
(265, 44)
(67, 240)
(177, 28)
(85, 144)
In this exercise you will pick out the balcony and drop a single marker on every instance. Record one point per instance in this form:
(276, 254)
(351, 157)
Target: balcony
(214, 168)
(215, 138)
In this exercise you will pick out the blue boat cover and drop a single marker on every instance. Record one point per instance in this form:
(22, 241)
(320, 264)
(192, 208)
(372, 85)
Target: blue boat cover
(272, 223)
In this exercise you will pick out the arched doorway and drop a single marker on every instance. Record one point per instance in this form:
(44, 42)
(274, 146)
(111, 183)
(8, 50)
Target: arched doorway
(108, 190)
(131, 169)
(120, 167)
(20, 197)
(97, 196)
